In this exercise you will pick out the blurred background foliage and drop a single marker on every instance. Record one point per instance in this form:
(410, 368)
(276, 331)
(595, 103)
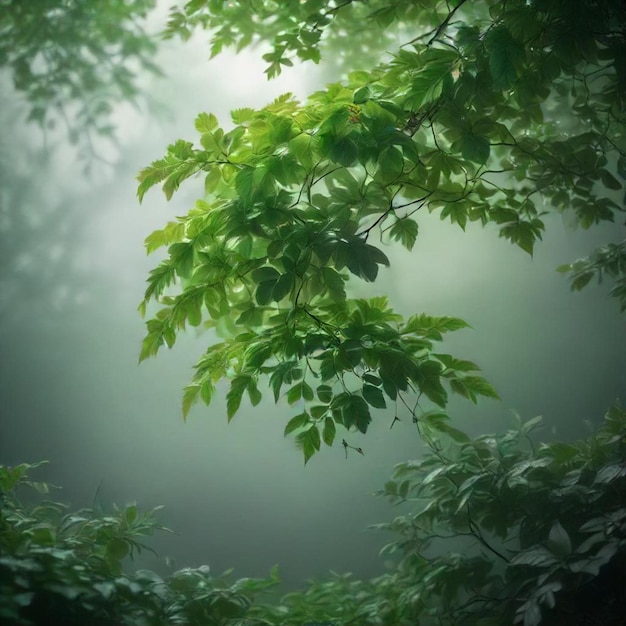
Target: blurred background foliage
(71, 61)
(65, 66)
(494, 530)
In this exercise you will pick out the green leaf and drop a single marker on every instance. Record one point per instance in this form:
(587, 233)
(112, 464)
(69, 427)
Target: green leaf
(117, 549)
(206, 122)
(505, 56)
(363, 260)
(190, 397)
(354, 411)
(309, 441)
(581, 279)
(405, 231)
(344, 151)
(335, 283)
(428, 84)
(266, 273)
(319, 410)
(609, 181)
(238, 385)
(457, 212)
(329, 432)
(283, 287)
(151, 343)
(472, 147)
(390, 164)
(621, 167)
(307, 391)
(361, 95)
(454, 433)
(479, 386)
(372, 379)
(559, 542)
(294, 394)
(264, 293)
(523, 233)
(206, 391)
(374, 396)
(161, 277)
(182, 256)
(253, 393)
(252, 316)
(300, 420)
(304, 148)
(324, 393)
(173, 231)
(535, 557)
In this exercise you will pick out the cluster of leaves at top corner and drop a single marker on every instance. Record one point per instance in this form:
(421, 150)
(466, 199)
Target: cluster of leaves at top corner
(300, 197)
(60, 567)
(72, 61)
(295, 32)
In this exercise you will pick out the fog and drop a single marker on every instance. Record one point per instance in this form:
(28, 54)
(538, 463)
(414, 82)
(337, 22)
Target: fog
(238, 495)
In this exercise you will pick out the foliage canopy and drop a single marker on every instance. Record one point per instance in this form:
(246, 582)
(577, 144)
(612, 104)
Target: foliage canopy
(493, 112)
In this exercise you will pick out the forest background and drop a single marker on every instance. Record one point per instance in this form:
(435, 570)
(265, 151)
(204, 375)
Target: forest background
(73, 266)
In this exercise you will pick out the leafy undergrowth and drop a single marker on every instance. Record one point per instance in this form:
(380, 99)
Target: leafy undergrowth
(500, 530)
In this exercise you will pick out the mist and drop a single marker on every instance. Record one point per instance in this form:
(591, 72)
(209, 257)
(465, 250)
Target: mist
(238, 495)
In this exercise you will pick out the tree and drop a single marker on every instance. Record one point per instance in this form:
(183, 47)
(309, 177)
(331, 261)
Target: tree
(64, 67)
(71, 61)
(494, 112)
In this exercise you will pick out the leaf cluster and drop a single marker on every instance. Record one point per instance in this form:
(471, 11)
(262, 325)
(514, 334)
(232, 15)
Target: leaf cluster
(72, 61)
(483, 93)
(608, 260)
(59, 567)
(495, 530)
(300, 198)
(537, 525)
(291, 31)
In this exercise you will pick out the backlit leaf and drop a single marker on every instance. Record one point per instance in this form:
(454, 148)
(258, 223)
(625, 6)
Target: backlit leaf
(328, 434)
(405, 231)
(300, 420)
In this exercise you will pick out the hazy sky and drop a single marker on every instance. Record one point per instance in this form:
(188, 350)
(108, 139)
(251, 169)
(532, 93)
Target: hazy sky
(237, 494)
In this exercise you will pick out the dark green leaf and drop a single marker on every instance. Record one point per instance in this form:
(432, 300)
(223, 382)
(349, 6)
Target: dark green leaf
(474, 148)
(405, 231)
(324, 393)
(374, 396)
(506, 55)
(609, 181)
(309, 441)
(282, 287)
(558, 541)
(238, 385)
(328, 434)
(265, 292)
(266, 273)
(117, 549)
